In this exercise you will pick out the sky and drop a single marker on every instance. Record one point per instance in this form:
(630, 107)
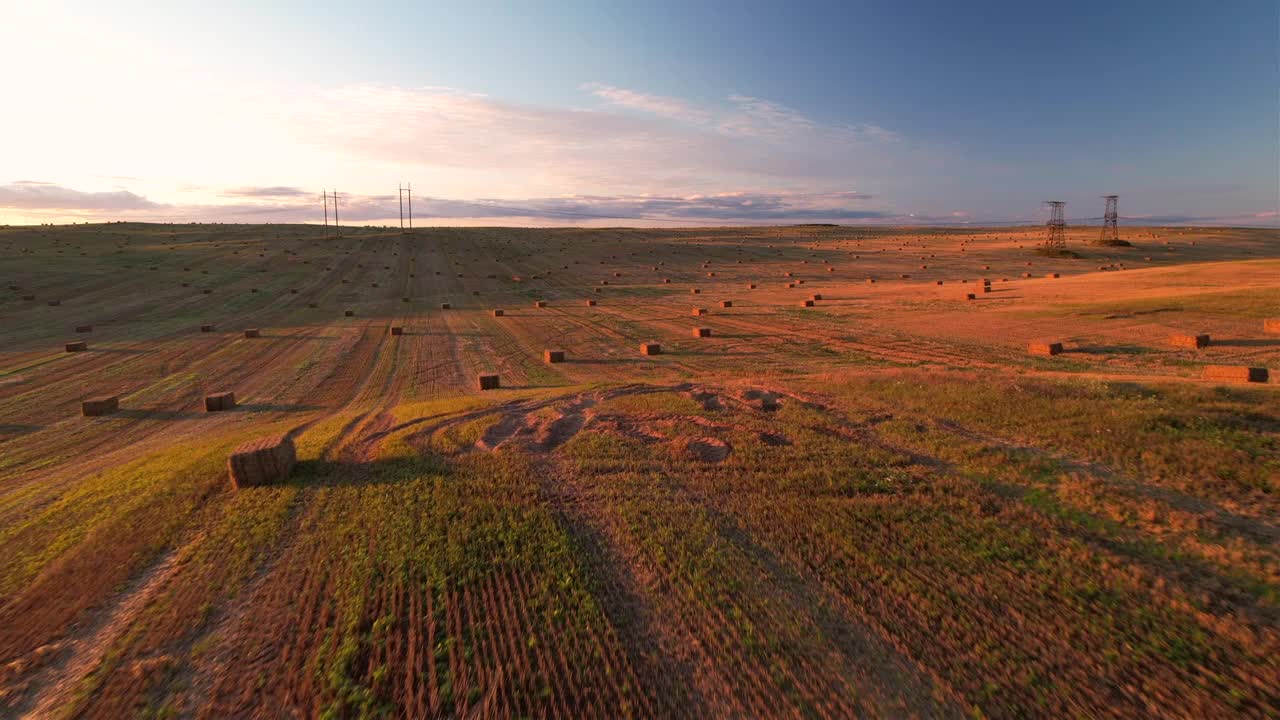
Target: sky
(640, 113)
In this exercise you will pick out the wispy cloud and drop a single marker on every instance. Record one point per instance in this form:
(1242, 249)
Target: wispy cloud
(32, 195)
(669, 107)
(267, 192)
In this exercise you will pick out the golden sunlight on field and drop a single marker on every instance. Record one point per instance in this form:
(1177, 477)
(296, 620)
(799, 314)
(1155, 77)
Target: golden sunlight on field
(808, 471)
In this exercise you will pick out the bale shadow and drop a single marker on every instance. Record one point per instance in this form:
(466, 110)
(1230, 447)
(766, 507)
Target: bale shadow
(15, 429)
(277, 407)
(117, 351)
(143, 414)
(1111, 350)
(1245, 343)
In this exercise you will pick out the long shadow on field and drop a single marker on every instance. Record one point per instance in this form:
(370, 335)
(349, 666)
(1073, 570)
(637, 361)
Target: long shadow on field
(15, 429)
(277, 407)
(118, 351)
(155, 414)
(1112, 350)
(1246, 343)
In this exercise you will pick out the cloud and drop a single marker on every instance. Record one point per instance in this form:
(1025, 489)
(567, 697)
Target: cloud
(292, 205)
(634, 143)
(30, 195)
(669, 107)
(267, 192)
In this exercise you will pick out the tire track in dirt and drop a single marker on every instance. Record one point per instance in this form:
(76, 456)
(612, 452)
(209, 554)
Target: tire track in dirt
(85, 650)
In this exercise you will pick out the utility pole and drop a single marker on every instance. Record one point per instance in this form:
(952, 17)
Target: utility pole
(409, 188)
(324, 198)
(400, 194)
(1110, 225)
(1057, 225)
(337, 227)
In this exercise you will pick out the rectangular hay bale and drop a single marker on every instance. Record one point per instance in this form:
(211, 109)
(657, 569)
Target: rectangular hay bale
(96, 407)
(219, 402)
(553, 356)
(1235, 373)
(701, 332)
(77, 346)
(1189, 341)
(488, 382)
(1045, 348)
(650, 348)
(264, 461)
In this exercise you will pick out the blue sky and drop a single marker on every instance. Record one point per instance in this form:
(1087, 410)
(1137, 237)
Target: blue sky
(554, 112)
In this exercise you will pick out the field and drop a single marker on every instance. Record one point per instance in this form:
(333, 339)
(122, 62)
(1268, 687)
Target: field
(880, 505)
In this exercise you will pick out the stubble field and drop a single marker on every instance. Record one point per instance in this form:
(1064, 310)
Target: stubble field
(880, 505)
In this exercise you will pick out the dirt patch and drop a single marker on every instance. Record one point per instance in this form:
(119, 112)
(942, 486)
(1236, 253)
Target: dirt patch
(706, 449)
(765, 400)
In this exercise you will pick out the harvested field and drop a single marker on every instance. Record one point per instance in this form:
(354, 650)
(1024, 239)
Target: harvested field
(882, 506)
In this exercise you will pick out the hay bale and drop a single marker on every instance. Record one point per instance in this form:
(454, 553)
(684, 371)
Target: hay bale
(591, 303)
(220, 402)
(650, 348)
(397, 330)
(95, 407)
(698, 311)
(553, 356)
(262, 462)
(970, 296)
(1271, 326)
(751, 286)
(206, 328)
(702, 332)
(488, 382)
(497, 312)
(1045, 348)
(84, 328)
(1235, 373)
(695, 291)
(445, 306)
(1053, 276)
(816, 296)
(807, 303)
(540, 304)
(1191, 342)
(77, 346)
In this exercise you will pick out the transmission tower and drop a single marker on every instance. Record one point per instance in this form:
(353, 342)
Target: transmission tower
(324, 198)
(1057, 225)
(1110, 229)
(337, 227)
(406, 193)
